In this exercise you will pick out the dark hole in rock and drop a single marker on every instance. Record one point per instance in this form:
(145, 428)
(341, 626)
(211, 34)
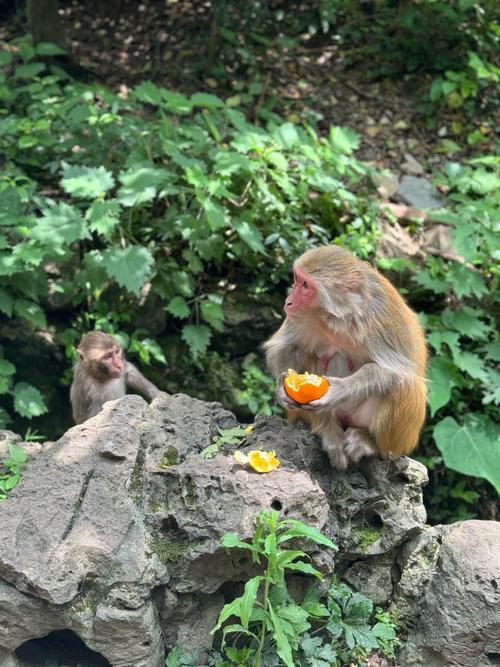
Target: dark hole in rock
(170, 524)
(62, 648)
(243, 560)
(375, 521)
(277, 505)
(494, 658)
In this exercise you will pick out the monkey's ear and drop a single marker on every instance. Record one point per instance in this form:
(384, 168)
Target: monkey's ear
(80, 354)
(353, 282)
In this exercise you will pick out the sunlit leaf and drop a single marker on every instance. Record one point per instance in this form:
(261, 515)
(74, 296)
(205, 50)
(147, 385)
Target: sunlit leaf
(28, 401)
(130, 266)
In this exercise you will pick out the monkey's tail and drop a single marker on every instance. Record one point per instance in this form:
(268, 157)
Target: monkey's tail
(400, 418)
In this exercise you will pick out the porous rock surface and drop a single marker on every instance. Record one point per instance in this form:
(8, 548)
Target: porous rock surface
(114, 531)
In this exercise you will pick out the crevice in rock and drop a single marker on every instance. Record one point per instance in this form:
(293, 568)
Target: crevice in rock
(59, 647)
(78, 504)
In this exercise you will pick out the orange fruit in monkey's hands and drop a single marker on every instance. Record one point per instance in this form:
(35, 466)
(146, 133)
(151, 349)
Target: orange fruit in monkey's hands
(305, 387)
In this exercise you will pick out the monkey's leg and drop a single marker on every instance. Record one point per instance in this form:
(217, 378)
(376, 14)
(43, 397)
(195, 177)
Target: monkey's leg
(359, 443)
(334, 442)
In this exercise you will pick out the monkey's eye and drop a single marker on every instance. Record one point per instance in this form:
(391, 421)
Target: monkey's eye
(108, 355)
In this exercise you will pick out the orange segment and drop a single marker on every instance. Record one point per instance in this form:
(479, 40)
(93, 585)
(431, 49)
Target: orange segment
(305, 387)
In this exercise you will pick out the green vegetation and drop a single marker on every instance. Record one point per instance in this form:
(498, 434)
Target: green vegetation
(268, 627)
(163, 216)
(10, 470)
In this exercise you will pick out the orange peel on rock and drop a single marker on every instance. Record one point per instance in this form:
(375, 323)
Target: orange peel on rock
(258, 460)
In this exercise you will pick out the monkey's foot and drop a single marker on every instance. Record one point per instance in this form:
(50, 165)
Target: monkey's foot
(358, 443)
(335, 449)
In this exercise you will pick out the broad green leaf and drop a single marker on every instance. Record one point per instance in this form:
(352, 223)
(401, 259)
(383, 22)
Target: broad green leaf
(296, 616)
(451, 338)
(472, 364)
(215, 213)
(286, 135)
(384, 632)
(6, 368)
(5, 58)
(174, 658)
(49, 49)
(141, 183)
(283, 647)
(31, 311)
(148, 92)
(248, 599)
(231, 541)
(472, 448)
(6, 302)
(59, 226)
(178, 307)
(299, 529)
(466, 282)
(17, 453)
(130, 266)
(197, 337)
(29, 71)
(176, 102)
(251, 235)
(228, 163)
(28, 401)
(228, 610)
(492, 393)
(86, 182)
(206, 100)
(441, 374)
(344, 139)
(305, 568)
(467, 322)
(103, 216)
(213, 314)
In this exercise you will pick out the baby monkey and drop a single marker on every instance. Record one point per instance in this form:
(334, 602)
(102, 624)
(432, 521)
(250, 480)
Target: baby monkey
(103, 374)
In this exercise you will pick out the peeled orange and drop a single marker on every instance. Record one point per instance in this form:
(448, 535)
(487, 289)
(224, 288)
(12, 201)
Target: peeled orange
(305, 387)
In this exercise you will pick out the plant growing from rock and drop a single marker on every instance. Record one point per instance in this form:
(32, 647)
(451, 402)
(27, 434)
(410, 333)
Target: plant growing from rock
(10, 470)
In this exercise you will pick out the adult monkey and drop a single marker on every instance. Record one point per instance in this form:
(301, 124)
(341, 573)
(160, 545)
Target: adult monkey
(346, 321)
(103, 374)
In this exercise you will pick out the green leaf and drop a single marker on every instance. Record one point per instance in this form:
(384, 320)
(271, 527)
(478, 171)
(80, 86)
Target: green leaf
(228, 610)
(441, 375)
(299, 529)
(28, 401)
(86, 182)
(251, 235)
(248, 599)
(344, 139)
(384, 632)
(17, 454)
(283, 647)
(472, 364)
(29, 71)
(213, 314)
(232, 541)
(6, 368)
(59, 226)
(473, 448)
(215, 213)
(198, 337)
(148, 92)
(174, 658)
(176, 102)
(305, 568)
(467, 322)
(103, 216)
(178, 307)
(206, 100)
(49, 49)
(141, 183)
(31, 311)
(130, 266)
(6, 302)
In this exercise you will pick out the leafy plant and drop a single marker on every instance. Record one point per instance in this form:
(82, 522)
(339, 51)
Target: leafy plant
(10, 470)
(227, 436)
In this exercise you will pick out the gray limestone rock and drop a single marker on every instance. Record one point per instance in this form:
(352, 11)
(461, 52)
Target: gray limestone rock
(449, 596)
(113, 534)
(418, 192)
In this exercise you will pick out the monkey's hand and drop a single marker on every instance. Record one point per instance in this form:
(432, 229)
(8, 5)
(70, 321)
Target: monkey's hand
(282, 397)
(334, 396)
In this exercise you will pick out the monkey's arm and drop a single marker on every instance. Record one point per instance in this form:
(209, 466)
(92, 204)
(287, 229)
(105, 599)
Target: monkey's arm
(372, 379)
(136, 380)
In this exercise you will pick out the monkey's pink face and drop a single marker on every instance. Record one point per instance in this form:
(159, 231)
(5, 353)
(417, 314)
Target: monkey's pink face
(302, 296)
(111, 362)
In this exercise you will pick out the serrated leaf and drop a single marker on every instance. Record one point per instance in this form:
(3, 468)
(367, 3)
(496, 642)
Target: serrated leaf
(206, 100)
(197, 337)
(31, 311)
(466, 282)
(215, 213)
(86, 182)
(344, 139)
(472, 448)
(59, 226)
(130, 266)
(286, 135)
(28, 401)
(103, 216)
(213, 314)
(176, 102)
(178, 308)
(283, 647)
(49, 49)
(251, 235)
(440, 374)
(141, 183)
(148, 92)
(6, 302)
(467, 322)
(472, 364)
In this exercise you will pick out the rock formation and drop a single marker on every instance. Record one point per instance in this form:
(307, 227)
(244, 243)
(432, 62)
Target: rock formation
(111, 542)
